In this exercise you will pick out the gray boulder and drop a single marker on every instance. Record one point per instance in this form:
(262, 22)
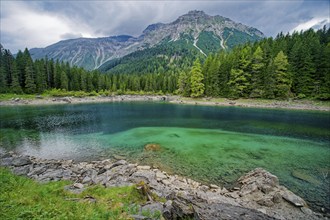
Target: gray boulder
(21, 161)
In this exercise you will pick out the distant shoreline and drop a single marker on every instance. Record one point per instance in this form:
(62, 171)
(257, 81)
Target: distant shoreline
(248, 103)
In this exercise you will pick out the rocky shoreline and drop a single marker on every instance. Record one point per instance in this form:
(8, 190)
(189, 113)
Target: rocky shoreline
(259, 195)
(275, 104)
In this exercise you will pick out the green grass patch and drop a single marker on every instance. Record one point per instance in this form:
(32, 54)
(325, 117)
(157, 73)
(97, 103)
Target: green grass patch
(64, 93)
(23, 198)
(9, 96)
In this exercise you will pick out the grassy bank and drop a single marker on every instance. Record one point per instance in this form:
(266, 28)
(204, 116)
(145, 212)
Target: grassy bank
(101, 96)
(78, 94)
(23, 198)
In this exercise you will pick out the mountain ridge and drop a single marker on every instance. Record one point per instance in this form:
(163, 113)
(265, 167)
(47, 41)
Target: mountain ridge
(92, 53)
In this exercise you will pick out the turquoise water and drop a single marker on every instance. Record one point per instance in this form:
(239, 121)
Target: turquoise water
(210, 144)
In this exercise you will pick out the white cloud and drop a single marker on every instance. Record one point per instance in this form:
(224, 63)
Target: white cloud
(24, 25)
(312, 23)
(41, 23)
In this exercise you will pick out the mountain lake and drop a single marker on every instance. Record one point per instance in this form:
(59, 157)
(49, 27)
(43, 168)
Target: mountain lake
(209, 144)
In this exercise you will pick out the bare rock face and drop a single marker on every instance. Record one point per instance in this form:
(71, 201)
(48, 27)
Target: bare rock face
(261, 190)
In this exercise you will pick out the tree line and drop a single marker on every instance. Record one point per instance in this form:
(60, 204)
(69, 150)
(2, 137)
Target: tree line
(288, 66)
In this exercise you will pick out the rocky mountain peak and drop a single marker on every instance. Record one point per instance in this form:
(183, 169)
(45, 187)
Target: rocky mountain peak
(153, 27)
(195, 29)
(196, 13)
(192, 17)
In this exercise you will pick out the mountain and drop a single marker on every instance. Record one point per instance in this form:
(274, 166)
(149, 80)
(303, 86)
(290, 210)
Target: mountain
(194, 33)
(89, 53)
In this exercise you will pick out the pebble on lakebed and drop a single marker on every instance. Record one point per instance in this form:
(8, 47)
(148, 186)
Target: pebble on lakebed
(152, 147)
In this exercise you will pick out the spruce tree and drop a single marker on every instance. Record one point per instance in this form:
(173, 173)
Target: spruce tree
(15, 86)
(197, 86)
(3, 72)
(214, 78)
(30, 86)
(257, 70)
(3, 83)
(207, 75)
(41, 81)
(184, 84)
(282, 76)
(240, 75)
(21, 60)
(269, 81)
(64, 81)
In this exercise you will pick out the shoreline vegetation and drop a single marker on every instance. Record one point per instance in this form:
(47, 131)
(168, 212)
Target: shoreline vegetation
(117, 189)
(46, 99)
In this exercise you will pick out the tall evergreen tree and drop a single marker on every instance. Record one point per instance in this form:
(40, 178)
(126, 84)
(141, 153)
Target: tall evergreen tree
(15, 86)
(184, 84)
(40, 78)
(214, 78)
(30, 86)
(64, 81)
(257, 71)
(207, 75)
(283, 78)
(240, 75)
(196, 79)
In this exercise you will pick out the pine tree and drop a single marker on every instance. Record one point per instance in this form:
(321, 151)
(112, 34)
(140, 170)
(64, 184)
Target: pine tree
(64, 81)
(83, 81)
(3, 71)
(240, 75)
(30, 86)
(21, 60)
(269, 81)
(207, 75)
(184, 84)
(57, 74)
(214, 78)
(197, 86)
(41, 82)
(3, 83)
(257, 70)
(324, 89)
(15, 86)
(226, 63)
(282, 76)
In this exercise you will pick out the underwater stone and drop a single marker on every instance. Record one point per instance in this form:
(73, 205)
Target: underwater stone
(152, 147)
(305, 177)
(294, 199)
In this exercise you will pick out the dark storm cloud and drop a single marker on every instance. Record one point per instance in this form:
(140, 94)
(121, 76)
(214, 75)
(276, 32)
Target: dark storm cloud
(40, 23)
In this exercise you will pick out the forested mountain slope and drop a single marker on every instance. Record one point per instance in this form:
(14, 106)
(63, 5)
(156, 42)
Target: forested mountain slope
(195, 32)
(289, 66)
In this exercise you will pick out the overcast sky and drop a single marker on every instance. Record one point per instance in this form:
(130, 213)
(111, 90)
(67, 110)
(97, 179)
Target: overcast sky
(41, 23)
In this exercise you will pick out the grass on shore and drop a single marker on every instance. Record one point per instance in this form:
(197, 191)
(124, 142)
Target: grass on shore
(81, 94)
(23, 198)
(64, 93)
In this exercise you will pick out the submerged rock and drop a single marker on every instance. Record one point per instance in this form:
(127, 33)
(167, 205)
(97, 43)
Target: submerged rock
(294, 199)
(152, 147)
(305, 177)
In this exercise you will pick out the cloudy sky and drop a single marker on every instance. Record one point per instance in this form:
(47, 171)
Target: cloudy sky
(41, 23)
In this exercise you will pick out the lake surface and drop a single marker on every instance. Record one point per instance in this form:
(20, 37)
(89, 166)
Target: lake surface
(209, 144)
